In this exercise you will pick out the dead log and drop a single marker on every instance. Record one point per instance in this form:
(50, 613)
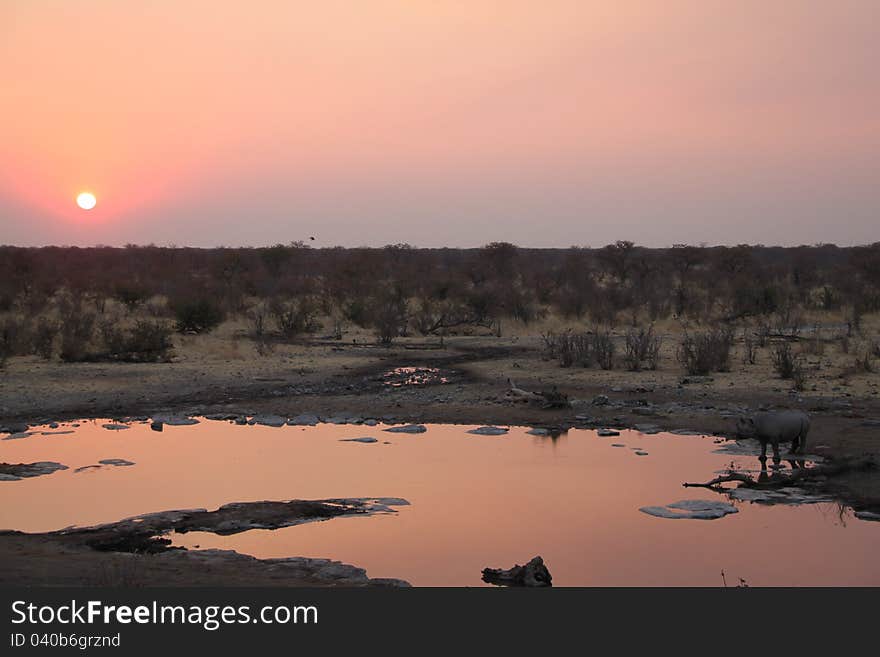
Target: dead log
(533, 574)
(519, 394)
(780, 480)
(723, 479)
(547, 399)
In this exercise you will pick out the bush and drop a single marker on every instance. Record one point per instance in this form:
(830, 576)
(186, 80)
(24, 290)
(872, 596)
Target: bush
(130, 295)
(389, 317)
(569, 348)
(258, 318)
(789, 365)
(13, 336)
(145, 342)
(43, 339)
(799, 376)
(785, 362)
(582, 349)
(197, 316)
(356, 312)
(865, 363)
(603, 349)
(295, 317)
(77, 333)
(750, 348)
(641, 346)
(814, 345)
(706, 352)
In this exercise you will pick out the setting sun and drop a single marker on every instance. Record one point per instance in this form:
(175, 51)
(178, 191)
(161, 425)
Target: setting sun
(86, 200)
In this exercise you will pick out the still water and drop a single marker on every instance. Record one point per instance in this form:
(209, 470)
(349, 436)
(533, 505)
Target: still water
(476, 501)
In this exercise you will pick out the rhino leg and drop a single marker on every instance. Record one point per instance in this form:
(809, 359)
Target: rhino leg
(802, 438)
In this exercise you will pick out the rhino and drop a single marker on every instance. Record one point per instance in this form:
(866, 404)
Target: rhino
(774, 428)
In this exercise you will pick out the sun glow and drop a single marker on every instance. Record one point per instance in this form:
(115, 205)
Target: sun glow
(86, 200)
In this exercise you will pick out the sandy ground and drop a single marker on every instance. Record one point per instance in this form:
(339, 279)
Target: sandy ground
(225, 372)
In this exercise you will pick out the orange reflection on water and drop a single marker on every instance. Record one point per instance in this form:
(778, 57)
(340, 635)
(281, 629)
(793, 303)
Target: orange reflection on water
(476, 501)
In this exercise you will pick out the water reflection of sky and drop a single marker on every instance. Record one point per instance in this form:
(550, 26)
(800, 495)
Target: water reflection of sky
(477, 501)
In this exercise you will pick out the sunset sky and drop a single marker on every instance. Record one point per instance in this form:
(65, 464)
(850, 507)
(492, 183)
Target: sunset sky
(440, 122)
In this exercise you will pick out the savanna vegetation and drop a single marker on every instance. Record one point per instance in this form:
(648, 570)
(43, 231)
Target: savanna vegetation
(102, 303)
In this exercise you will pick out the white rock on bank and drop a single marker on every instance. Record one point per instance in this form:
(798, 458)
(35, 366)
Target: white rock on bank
(488, 431)
(691, 510)
(407, 428)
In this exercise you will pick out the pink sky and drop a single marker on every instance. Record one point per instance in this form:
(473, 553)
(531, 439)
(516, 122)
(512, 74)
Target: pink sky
(456, 122)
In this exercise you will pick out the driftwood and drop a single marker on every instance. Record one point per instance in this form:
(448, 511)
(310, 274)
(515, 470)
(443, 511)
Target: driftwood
(533, 574)
(780, 480)
(547, 399)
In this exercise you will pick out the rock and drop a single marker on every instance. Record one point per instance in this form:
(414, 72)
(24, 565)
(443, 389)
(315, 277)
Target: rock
(116, 427)
(488, 431)
(379, 504)
(538, 431)
(87, 468)
(871, 423)
(407, 428)
(389, 582)
(303, 420)
(370, 422)
(222, 416)
(16, 471)
(687, 432)
(20, 435)
(606, 433)
(174, 420)
(647, 428)
(601, 400)
(117, 462)
(691, 510)
(145, 533)
(56, 433)
(155, 425)
(366, 439)
(640, 452)
(867, 515)
(618, 445)
(14, 428)
(269, 420)
(533, 574)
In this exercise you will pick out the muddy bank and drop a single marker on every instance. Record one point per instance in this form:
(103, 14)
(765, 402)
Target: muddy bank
(136, 551)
